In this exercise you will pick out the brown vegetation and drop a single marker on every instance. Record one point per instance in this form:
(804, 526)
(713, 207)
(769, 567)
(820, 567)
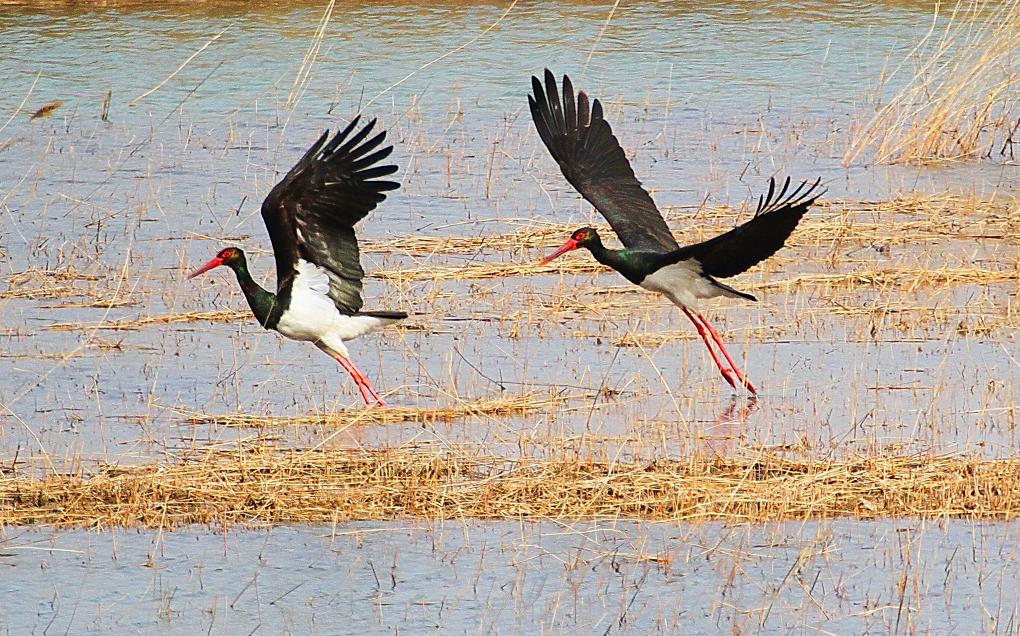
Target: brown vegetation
(504, 405)
(47, 109)
(274, 486)
(962, 102)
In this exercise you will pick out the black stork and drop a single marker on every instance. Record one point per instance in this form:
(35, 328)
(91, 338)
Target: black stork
(310, 215)
(582, 143)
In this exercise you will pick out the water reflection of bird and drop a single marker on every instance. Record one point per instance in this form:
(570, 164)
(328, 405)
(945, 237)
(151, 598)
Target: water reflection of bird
(582, 143)
(310, 215)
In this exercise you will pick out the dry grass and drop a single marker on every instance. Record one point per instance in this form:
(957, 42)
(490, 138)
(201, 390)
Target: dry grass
(962, 101)
(899, 277)
(908, 220)
(129, 324)
(504, 405)
(271, 486)
(905, 278)
(835, 225)
(531, 235)
(132, 324)
(931, 216)
(617, 299)
(47, 109)
(39, 283)
(607, 301)
(847, 246)
(874, 320)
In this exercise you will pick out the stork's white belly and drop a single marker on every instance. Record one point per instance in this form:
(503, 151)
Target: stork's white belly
(682, 283)
(313, 317)
(301, 323)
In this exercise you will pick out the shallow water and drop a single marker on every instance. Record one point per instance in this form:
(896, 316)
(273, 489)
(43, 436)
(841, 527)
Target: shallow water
(710, 99)
(828, 577)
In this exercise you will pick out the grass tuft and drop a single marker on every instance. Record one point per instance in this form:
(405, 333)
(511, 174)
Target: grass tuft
(262, 486)
(962, 102)
(504, 405)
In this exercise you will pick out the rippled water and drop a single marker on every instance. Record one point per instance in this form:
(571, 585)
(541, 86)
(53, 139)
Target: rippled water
(493, 578)
(708, 98)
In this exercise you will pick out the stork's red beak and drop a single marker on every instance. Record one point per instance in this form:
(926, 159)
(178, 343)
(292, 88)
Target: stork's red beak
(216, 262)
(571, 244)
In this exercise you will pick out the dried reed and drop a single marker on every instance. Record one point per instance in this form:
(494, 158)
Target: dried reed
(165, 319)
(932, 216)
(963, 320)
(47, 109)
(504, 405)
(38, 283)
(962, 101)
(273, 486)
(902, 277)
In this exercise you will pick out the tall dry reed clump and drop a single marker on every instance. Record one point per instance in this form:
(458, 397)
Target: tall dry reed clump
(263, 485)
(962, 102)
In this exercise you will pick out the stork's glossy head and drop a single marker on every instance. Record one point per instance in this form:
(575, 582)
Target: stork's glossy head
(584, 237)
(229, 256)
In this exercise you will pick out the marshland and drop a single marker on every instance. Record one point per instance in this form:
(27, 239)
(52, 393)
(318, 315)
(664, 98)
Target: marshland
(558, 454)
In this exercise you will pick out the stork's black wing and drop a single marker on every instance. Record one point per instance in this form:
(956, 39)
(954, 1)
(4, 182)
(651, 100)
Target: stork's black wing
(591, 159)
(750, 243)
(311, 212)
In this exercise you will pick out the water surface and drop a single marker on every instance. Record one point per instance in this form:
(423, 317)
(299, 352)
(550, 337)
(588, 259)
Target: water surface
(623, 577)
(710, 99)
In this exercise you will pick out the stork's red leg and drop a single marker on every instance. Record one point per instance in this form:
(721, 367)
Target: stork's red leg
(364, 385)
(351, 369)
(368, 394)
(368, 387)
(730, 374)
(727, 374)
(715, 336)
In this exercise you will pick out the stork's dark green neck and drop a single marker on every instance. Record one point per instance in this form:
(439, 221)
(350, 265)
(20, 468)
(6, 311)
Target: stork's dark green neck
(263, 303)
(633, 265)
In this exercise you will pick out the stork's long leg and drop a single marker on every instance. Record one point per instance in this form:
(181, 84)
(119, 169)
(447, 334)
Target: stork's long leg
(368, 394)
(364, 385)
(730, 374)
(726, 373)
(740, 375)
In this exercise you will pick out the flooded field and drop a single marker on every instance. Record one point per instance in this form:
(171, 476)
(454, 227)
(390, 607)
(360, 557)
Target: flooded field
(887, 326)
(499, 577)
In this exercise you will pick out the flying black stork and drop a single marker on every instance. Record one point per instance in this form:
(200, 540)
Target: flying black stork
(310, 215)
(582, 143)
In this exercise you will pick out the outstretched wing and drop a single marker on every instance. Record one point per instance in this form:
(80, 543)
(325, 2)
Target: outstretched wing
(591, 159)
(750, 243)
(311, 212)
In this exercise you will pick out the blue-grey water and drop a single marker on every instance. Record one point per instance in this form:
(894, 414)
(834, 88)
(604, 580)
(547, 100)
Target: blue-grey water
(710, 100)
(101, 218)
(835, 577)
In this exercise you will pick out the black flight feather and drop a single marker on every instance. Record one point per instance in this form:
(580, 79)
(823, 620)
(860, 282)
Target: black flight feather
(311, 212)
(582, 143)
